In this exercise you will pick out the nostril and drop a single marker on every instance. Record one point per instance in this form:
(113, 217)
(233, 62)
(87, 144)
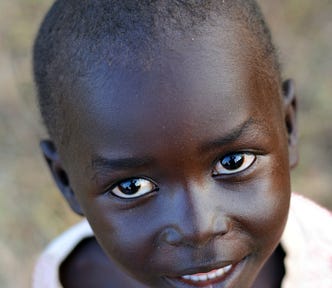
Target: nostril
(221, 225)
(171, 236)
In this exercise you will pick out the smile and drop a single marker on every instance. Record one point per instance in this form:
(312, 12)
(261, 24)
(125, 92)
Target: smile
(212, 275)
(212, 278)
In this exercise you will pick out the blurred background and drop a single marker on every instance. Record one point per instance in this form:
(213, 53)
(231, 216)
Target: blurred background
(31, 209)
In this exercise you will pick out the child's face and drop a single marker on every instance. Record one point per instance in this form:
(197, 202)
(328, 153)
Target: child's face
(182, 167)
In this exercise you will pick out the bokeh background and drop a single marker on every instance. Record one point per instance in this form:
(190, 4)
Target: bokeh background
(31, 209)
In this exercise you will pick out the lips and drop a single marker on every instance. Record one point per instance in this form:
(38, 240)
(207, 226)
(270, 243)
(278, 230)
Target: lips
(205, 279)
(211, 275)
(216, 270)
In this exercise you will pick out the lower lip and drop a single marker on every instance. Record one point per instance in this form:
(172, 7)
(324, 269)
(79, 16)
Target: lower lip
(208, 283)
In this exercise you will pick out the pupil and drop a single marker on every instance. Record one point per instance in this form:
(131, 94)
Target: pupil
(130, 187)
(233, 162)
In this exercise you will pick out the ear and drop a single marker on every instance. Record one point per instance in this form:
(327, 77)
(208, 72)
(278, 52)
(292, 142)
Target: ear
(290, 108)
(59, 174)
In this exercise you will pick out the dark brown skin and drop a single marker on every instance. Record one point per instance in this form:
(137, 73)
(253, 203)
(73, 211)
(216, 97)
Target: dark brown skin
(172, 123)
(92, 268)
(88, 266)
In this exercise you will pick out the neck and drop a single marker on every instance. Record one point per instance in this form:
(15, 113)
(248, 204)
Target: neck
(273, 271)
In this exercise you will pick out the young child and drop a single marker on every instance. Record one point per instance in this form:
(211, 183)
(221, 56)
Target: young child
(172, 132)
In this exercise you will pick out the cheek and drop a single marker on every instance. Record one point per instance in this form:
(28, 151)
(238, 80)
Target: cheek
(264, 207)
(267, 215)
(127, 238)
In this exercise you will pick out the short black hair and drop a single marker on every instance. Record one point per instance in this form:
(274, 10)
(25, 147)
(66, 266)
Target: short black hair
(76, 35)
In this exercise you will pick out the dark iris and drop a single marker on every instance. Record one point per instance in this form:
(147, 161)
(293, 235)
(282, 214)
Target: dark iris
(130, 187)
(232, 161)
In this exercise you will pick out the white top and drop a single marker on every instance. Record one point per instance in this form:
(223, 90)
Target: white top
(307, 242)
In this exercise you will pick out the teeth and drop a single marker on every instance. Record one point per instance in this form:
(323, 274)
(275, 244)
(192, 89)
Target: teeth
(227, 268)
(203, 277)
(207, 276)
(195, 278)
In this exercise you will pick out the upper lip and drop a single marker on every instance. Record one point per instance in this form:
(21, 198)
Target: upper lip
(203, 268)
(206, 259)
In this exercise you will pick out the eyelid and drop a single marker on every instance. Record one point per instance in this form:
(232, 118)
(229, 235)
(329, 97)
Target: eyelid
(115, 191)
(249, 162)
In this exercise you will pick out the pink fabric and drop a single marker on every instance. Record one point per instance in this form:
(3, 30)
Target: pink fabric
(307, 241)
(47, 269)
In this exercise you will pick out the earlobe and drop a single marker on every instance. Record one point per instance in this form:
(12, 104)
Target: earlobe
(290, 108)
(59, 174)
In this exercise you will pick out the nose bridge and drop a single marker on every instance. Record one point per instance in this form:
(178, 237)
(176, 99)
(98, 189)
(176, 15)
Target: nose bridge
(199, 218)
(204, 210)
(194, 215)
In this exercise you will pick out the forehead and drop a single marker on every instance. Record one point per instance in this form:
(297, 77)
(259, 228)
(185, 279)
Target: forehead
(214, 79)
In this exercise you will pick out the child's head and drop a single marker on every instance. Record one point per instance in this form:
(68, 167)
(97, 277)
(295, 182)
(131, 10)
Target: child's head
(171, 131)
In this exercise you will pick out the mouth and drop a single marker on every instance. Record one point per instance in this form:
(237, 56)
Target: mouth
(206, 279)
(209, 278)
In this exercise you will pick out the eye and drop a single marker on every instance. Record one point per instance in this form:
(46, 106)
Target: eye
(133, 188)
(233, 163)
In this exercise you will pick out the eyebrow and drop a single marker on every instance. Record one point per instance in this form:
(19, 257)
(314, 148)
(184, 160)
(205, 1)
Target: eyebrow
(100, 163)
(232, 135)
(104, 165)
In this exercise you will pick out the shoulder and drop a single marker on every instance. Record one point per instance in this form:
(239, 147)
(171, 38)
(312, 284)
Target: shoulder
(75, 259)
(312, 219)
(307, 241)
(87, 266)
(46, 272)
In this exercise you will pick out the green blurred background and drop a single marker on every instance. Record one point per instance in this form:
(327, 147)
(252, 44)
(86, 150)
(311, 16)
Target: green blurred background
(31, 209)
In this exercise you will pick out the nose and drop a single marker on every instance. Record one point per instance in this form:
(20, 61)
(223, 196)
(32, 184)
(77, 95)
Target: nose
(198, 217)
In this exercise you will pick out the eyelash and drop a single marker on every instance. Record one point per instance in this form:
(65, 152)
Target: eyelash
(148, 186)
(139, 181)
(246, 163)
